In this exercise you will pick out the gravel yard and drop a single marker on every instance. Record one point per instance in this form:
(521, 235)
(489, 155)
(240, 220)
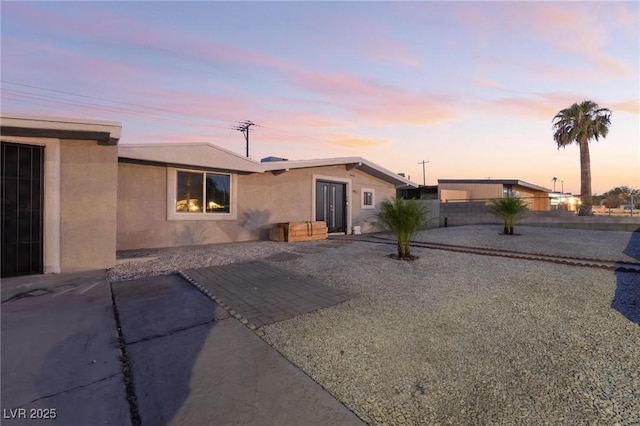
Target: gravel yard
(455, 338)
(464, 339)
(140, 263)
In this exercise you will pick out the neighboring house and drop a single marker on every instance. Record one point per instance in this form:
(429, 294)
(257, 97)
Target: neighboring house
(59, 194)
(465, 190)
(183, 194)
(422, 192)
(71, 197)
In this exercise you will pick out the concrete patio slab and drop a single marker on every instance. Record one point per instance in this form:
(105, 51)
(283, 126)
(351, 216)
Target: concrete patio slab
(263, 293)
(60, 348)
(197, 365)
(156, 306)
(222, 373)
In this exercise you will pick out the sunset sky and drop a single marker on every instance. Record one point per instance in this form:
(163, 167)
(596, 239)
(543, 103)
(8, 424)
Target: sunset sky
(471, 87)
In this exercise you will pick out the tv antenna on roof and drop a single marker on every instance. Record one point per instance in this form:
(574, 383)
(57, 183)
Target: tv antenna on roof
(244, 128)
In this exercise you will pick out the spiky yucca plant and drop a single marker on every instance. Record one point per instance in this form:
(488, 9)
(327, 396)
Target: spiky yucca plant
(510, 209)
(403, 218)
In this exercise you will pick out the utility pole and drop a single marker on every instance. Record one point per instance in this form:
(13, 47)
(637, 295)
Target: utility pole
(244, 128)
(424, 176)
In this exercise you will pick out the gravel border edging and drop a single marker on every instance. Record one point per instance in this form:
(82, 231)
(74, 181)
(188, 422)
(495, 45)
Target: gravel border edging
(223, 305)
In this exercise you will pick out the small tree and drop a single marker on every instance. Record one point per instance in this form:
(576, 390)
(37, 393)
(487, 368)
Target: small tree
(612, 202)
(510, 209)
(403, 218)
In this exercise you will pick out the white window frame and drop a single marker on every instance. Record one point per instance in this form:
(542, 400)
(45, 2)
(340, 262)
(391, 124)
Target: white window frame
(172, 176)
(373, 199)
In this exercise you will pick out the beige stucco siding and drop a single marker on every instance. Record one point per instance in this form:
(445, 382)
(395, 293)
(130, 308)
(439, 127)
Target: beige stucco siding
(537, 200)
(475, 191)
(88, 196)
(262, 200)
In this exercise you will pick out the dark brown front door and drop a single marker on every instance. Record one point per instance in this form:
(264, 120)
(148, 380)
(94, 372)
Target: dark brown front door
(22, 204)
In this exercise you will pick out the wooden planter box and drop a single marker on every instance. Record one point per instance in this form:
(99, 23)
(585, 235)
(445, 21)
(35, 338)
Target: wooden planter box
(299, 231)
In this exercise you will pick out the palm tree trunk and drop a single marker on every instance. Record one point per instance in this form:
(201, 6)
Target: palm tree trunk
(585, 179)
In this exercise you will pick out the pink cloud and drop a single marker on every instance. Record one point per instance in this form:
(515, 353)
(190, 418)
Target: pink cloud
(377, 102)
(394, 52)
(64, 61)
(297, 136)
(485, 82)
(356, 141)
(102, 26)
(545, 106)
(631, 106)
(578, 31)
(583, 29)
(189, 103)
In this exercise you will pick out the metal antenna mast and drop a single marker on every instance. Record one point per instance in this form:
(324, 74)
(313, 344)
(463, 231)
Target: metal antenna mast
(244, 128)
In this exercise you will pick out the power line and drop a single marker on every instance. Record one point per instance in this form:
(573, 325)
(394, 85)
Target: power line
(66, 100)
(145, 108)
(244, 128)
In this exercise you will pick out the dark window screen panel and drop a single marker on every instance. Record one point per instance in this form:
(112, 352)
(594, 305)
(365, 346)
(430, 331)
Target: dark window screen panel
(22, 209)
(368, 198)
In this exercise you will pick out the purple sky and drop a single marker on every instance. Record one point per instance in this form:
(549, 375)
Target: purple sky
(472, 87)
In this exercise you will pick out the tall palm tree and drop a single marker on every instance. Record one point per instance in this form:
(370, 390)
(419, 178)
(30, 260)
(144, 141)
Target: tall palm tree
(580, 123)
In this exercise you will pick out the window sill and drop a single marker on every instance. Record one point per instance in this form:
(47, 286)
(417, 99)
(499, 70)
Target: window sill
(202, 216)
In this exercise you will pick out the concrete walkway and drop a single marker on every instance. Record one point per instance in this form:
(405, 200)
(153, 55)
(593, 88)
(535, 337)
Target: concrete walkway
(189, 361)
(60, 352)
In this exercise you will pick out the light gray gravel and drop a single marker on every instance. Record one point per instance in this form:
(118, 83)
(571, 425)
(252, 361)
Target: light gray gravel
(568, 242)
(464, 339)
(455, 338)
(170, 260)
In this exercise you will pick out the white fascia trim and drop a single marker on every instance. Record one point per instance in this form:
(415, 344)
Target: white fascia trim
(58, 123)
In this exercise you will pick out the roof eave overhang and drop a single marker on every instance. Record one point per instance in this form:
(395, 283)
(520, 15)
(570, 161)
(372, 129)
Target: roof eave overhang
(213, 158)
(350, 163)
(104, 132)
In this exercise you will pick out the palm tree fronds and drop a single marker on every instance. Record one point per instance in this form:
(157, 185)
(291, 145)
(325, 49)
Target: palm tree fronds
(510, 209)
(403, 218)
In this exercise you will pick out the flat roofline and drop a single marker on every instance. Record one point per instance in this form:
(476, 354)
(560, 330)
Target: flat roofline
(54, 119)
(106, 132)
(497, 181)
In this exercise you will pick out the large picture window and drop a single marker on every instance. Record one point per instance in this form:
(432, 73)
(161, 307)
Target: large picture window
(199, 192)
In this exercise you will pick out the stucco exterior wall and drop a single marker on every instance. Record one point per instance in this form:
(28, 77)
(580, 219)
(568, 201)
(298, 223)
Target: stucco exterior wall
(478, 191)
(537, 200)
(453, 195)
(88, 197)
(262, 200)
